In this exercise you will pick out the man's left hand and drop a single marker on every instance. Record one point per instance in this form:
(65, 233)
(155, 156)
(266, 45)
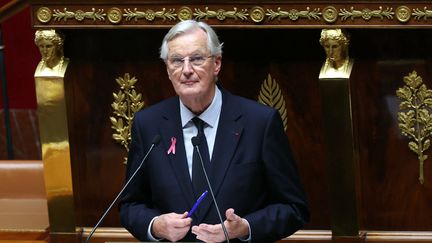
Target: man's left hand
(236, 226)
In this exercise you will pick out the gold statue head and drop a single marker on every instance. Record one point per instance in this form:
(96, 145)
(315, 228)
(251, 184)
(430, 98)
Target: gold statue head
(50, 44)
(335, 43)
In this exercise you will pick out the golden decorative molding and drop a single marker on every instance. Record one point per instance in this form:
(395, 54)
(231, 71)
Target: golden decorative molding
(126, 103)
(221, 14)
(419, 14)
(415, 116)
(184, 13)
(114, 15)
(366, 14)
(44, 15)
(280, 14)
(79, 15)
(149, 14)
(293, 14)
(271, 95)
(403, 14)
(330, 14)
(257, 14)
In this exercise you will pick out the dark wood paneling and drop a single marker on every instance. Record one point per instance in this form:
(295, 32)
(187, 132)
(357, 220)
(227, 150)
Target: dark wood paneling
(98, 58)
(391, 196)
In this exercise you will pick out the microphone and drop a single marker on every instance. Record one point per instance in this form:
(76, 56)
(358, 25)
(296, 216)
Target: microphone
(155, 142)
(195, 142)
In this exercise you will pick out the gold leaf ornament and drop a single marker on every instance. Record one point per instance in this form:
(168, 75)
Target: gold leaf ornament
(415, 116)
(271, 95)
(422, 14)
(126, 103)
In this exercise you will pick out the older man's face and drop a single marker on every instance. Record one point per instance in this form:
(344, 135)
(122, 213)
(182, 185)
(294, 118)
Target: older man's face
(191, 68)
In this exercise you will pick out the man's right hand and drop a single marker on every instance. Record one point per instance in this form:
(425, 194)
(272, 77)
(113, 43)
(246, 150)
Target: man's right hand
(171, 226)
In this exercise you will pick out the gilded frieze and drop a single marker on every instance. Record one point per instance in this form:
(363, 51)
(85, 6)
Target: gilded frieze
(221, 14)
(79, 15)
(149, 14)
(422, 14)
(293, 14)
(276, 14)
(366, 13)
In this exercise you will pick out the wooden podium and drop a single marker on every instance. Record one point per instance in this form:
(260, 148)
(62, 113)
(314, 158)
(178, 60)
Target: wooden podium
(271, 49)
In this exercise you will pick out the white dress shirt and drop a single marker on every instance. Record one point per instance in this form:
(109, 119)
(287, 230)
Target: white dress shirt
(211, 118)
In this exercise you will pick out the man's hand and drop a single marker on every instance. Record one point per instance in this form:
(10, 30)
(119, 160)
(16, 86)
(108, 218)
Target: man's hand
(235, 225)
(171, 226)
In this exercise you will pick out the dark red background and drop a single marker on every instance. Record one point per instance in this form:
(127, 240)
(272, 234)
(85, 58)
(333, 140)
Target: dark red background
(20, 59)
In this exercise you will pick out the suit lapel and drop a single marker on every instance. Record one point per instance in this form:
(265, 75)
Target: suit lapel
(171, 128)
(228, 134)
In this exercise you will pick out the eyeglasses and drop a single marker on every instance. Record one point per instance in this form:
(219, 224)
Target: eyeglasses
(195, 61)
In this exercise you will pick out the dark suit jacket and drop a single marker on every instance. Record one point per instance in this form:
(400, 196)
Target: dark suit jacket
(252, 171)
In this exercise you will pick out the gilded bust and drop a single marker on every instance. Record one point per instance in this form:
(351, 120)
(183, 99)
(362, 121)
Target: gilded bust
(50, 45)
(338, 64)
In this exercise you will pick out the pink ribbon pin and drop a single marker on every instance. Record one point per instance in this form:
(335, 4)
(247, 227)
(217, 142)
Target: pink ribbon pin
(172, 147)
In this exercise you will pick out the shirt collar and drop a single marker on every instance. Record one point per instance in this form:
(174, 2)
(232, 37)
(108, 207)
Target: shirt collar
(210, 115)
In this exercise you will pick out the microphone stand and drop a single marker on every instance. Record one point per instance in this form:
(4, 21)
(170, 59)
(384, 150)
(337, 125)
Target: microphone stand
(156, 140)
(196, 141)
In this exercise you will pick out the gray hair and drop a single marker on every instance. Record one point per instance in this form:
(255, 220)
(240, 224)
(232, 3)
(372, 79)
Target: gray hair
(213, 43)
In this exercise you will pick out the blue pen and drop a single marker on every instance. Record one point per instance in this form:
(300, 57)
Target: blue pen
(195, 206)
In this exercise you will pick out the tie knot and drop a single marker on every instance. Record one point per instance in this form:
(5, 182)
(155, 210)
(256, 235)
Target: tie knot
(199, 124)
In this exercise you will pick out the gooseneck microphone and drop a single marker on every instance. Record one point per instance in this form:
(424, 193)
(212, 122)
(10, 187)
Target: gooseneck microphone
(195, 142)
(155, 142)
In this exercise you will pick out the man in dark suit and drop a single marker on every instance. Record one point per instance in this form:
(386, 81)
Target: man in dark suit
(246, 155)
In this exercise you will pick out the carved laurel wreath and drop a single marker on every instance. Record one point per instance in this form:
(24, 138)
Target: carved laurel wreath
(271, 95)
(415, 120)
(126, 103)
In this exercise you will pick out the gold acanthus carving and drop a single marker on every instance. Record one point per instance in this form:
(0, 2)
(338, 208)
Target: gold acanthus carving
(293, 14)
(126, 103)
(221, 14)
(422, 14)
(149, 14)
(79, 15)
(366, 14)
(415, 116)
(256, 14)
(271, 95)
